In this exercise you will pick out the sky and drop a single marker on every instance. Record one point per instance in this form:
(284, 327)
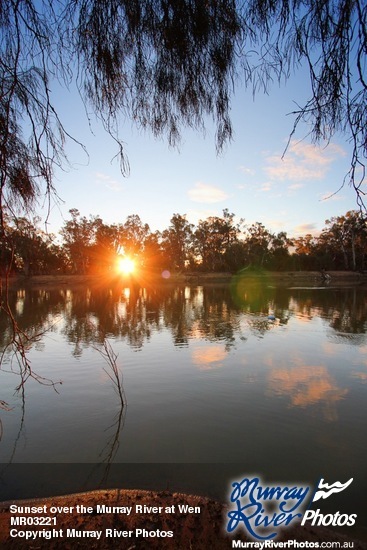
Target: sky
(295, 193)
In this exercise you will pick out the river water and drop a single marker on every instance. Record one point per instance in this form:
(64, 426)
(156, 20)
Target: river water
(219, 380)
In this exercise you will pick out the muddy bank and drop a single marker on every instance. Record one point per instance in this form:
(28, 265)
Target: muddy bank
(279, 277)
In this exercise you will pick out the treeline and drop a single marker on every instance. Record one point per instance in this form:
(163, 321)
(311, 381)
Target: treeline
(88, 246)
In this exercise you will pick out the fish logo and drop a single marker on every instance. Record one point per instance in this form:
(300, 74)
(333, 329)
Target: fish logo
(324, 490)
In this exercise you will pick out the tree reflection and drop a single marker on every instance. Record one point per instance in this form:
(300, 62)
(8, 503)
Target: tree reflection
(210, 320)
(18, 435)
(344, 308)
(115, 375)
(215, 313)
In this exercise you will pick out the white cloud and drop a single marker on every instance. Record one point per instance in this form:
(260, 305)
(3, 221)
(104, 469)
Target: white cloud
(248, 171)
(302, 161)
(203, 192)
(107, 181)
(305, 228)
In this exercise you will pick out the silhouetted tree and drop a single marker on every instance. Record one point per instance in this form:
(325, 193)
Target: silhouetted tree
(258, 240)
(135, 233)
(31, 250)
(346, 239)
(177, 242)
(279, 250)
(79, 238)
(153, 253)
(107, 245)
(305, 246)
(214, 237)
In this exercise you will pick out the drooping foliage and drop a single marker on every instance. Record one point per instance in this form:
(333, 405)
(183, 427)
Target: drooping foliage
(167, 64)
(31, 134)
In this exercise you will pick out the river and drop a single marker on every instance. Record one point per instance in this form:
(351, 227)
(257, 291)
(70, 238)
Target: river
(219, 381)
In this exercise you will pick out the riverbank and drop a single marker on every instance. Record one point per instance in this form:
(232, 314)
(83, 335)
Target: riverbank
(279, 277)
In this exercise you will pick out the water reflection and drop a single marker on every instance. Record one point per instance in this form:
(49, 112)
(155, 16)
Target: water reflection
(134, 313)
(256, 349)
(306, 386)
(207, 357)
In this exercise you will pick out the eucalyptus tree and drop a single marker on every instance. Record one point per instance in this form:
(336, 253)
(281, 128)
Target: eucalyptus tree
(280, 251)
(34, 250)
(177, 242)
(215, 238)
(79, 237)
(153, 253)
(356, 225)
(304, 252)
(107, 245)
(258, 241)
(134, 234)
(346, 239)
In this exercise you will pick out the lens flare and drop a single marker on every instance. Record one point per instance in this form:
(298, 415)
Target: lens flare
(125, 265)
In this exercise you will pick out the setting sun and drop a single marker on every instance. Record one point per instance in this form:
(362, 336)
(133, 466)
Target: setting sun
(125, 265)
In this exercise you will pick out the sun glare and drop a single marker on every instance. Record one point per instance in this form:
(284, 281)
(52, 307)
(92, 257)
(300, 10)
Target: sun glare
(125, 265)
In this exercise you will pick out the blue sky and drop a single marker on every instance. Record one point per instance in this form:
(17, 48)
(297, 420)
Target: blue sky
(250, 178)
